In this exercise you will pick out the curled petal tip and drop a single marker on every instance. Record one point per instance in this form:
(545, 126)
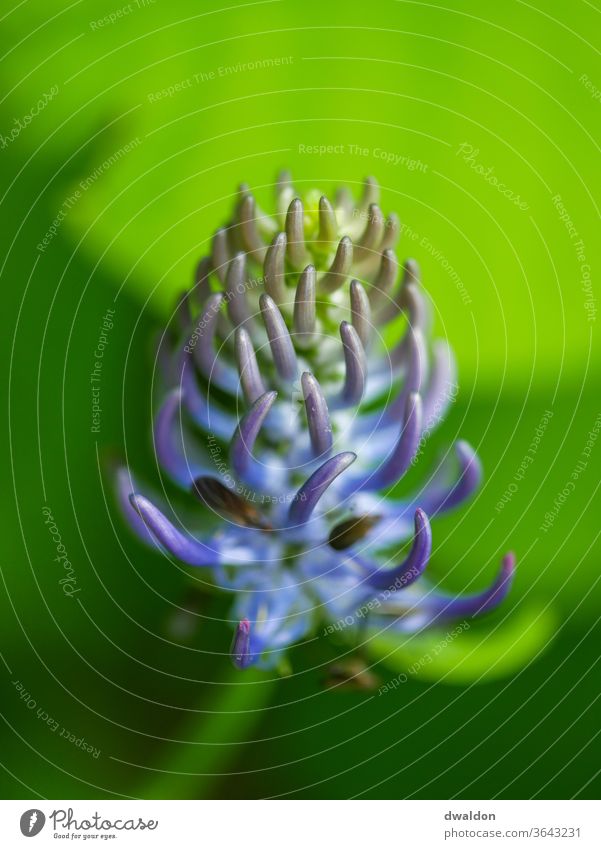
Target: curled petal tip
(295, 232)
(386, 277)
(251, 237)
(274, 268)
(439, 496)
(392, 232)
(471, 465)
(304, 303)
(402, 453)
(318, 417)
(327, 222)
(411, 272)
(204, 352)
(184, 547)
(308, 495)
(220, 253)
(340, 268)
(284, 177)
(415, 563)
(248, 368)
(373, 233)
(247, 432)
(240, 651)
(371, 193)
(508, 564)
(420, 518)
(236, 284)
(355, 365)
(499, 590)
(361, 312)
(282, 349)
(447, 607)
(169, 440)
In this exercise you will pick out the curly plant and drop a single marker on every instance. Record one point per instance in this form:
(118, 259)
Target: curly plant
(288, 417)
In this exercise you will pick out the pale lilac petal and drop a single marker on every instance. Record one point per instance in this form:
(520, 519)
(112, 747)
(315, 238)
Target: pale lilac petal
(282, 349)
(295, 233)
(304, 306)
(361, 313)
(246, 359)
(340, 268)
(274, 269)
(318, 417)
(355, 363)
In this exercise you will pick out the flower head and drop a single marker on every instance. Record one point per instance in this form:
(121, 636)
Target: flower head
(288, 418)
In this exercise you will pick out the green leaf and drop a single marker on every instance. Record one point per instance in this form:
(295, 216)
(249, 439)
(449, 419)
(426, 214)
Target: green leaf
(466, 653)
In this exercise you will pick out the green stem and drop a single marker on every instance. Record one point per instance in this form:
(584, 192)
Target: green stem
(189, 769)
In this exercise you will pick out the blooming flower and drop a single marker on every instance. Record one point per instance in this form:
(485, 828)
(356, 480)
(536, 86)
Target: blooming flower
(286, 415)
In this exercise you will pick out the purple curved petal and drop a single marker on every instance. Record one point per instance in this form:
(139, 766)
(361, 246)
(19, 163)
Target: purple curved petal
(277, 614)
(295, 233)
(385, 280)
(396, 464)
(282, 349)
(328, 227)
(355, 363)
(413, 566)
(205, 415)
(274, 269)
(125, 486)
(249, 230)
(304, 306)
(318, 417)
(340, 268)
(361, 313)
(437, 498)
(416, 373)
(168, 441)
(372, 235)
(442, 387)
(240, 651)
(220, 255)
(305, 500)
(202, 286)
(447, 607)
(250, 375)
(182, 315)
(203, 333)
(392, 309)
(236, 285)
(247, 431)
(392, 232)
(185, 548)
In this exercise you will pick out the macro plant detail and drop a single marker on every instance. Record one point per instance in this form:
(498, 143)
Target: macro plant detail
(287, 420)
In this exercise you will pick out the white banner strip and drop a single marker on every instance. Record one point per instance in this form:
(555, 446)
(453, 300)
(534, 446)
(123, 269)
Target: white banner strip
(302, 824)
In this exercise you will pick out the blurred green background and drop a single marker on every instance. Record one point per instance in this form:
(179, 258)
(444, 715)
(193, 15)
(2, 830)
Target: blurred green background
(160, 109)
